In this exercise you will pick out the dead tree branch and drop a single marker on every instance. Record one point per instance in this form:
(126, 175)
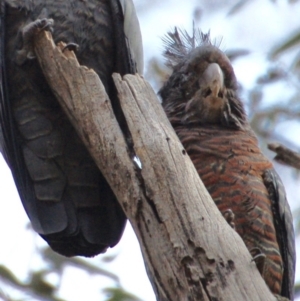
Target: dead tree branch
(285, 155)
(190, 251)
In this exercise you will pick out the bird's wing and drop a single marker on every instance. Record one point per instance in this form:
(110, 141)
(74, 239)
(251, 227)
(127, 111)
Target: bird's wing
(2, 78)
(68, 228)
(133, 34)
(128, 37)
(14, 157)
(283, 222)
(4, 148)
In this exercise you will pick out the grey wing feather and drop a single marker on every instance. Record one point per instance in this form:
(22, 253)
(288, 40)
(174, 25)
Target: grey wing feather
(133, 34)
(69, 228)
(128, 37)
(283, 222)
(13, 156)
(2, 78)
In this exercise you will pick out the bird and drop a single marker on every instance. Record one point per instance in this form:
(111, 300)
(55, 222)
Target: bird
(201, 100)
(67, 199)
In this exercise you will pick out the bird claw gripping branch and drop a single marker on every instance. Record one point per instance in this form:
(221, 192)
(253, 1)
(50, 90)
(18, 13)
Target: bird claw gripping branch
(229, 217)
(26, 38)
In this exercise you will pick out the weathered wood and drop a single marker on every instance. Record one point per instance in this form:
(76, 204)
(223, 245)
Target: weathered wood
(190, 252)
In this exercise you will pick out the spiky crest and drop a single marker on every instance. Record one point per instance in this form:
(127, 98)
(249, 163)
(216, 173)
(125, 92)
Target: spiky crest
(179, 43)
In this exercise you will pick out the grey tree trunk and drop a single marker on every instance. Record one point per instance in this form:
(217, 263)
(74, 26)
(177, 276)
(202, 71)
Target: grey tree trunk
(191, 253)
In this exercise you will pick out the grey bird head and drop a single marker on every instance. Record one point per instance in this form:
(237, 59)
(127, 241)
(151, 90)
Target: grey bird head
(202, 88)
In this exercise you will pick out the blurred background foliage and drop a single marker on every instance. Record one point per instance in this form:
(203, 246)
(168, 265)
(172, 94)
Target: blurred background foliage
(268, 113)
(43, 284)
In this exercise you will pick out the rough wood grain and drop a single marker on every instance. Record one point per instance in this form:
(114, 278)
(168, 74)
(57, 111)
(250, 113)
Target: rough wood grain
(190, 251)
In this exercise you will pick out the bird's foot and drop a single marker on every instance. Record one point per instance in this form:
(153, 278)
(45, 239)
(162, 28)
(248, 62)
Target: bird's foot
(229, 217)
(259, 258)
(26, 51)
(71, 47)
(280, 298)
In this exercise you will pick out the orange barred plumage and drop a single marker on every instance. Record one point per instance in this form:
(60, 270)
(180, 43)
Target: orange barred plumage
(231, 167)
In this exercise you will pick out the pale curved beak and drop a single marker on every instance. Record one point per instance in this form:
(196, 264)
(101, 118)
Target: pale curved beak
(213, 78)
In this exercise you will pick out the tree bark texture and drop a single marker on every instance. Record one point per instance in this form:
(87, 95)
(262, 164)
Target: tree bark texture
(190, 252)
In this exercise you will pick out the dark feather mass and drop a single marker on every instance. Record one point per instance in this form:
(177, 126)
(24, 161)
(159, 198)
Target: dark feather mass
(202, 103)
(67, 199)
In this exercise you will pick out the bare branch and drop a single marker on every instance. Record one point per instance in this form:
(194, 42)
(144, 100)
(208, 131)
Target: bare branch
(284, 155)
(190, 252)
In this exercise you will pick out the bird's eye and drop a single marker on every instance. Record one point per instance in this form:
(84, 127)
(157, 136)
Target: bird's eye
(220, 94)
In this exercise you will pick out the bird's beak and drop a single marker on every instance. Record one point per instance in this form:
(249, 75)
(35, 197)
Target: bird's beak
(213, 78)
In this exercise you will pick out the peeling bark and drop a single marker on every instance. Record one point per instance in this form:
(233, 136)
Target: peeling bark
(191, 253)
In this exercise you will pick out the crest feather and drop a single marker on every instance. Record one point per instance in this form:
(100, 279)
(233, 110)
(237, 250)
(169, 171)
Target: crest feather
(179, 44)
